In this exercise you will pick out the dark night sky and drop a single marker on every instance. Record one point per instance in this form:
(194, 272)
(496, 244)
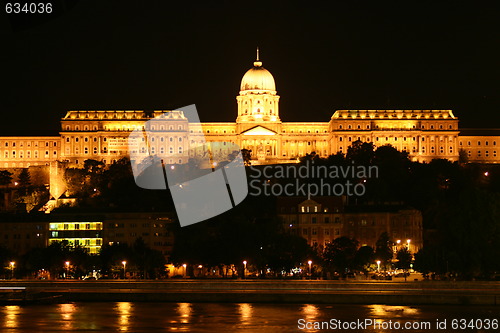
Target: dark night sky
(161, 55)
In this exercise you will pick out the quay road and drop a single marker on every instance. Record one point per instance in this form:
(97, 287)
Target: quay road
(272, 291)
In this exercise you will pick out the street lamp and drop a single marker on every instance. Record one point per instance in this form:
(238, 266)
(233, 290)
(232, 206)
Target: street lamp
(12, 265)
(408, 242)
(378, 265)
(124, 263)
(67, 268)
(184, 265)
(398, 242)
(310, 269)
(244, 268)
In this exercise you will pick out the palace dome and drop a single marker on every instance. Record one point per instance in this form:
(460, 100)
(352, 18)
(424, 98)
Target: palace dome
(258, 78)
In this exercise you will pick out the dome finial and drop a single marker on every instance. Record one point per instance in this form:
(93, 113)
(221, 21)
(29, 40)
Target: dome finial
(257, 63)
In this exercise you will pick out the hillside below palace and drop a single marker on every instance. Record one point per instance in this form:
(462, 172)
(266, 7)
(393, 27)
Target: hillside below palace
(102, 135)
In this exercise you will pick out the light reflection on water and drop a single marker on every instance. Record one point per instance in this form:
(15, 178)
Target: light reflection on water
(124, 311)
(212, 317)
(10, 315)
(245, 310)
(66, 311)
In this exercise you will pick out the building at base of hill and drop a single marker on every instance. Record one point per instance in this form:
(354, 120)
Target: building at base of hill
(320, 220)
(23, 232)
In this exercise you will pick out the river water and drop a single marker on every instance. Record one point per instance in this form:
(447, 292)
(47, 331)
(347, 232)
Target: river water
(242, 317)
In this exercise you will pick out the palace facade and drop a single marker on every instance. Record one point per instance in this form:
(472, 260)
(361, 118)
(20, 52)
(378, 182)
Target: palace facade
(102, 135)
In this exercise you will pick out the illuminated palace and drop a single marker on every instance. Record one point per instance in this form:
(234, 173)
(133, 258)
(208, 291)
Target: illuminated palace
(102, 135)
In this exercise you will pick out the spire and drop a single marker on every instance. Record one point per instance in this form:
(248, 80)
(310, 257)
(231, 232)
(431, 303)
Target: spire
(257, 63)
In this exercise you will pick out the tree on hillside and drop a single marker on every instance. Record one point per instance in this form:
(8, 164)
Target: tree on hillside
(463, 157)
(383, 249)
(404, 260)
(247, 156)
(93, 166)
(364, 257)
(340, 254)
(5, 177)
(361, 153)
(24, 178)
